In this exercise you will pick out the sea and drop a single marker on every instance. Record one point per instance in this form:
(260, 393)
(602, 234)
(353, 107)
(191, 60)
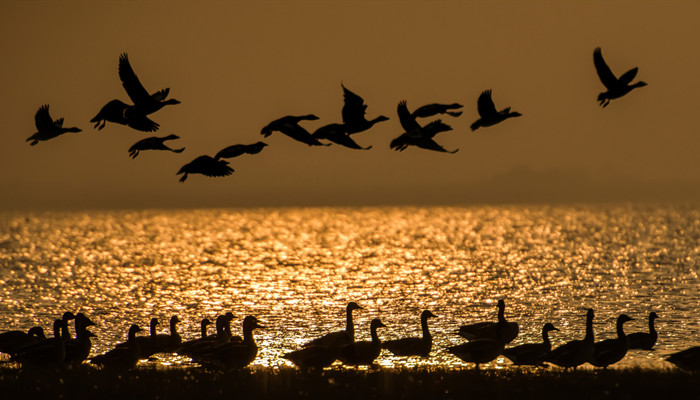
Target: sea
(296, 269)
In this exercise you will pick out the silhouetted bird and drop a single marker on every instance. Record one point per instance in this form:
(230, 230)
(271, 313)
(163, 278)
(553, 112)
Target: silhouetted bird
(78, 349)
(143, 102)
(240, 149)
(531, 353)
(487, 112)
(336, 134)
(616, 87)
(121, 113)
(153, 143)
(644, 340)
(121, 357)
(480, 351)
(430, 110)
(336, 340)
(688, 359)
(232, 355)
(46, 127)
(610, 351)
(576, 352)
(418, 136)
(413, 346)
(363, 352)
(354, 113)
(49, 352)
(289, 125)
(207, 166)
(13, 341)
(490, 330)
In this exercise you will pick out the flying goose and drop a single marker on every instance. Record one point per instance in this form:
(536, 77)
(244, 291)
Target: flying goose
(229, 355)
(575, 352)
(610, 351)
(336, 340)
(616, 87)
(240, 149)
(206, 166)
(144, 102)
(483, 350)
(124, 114)
(644, 340)
(413, 346)
(432, 109)
(153, 143)
(491, 330)
(531, 353)
(336, 134)
(46, 127)
(688, 359)
(487, 112)
(415, 135)
(121, 357)
(289, 126)
(363, 352)
(354, 109)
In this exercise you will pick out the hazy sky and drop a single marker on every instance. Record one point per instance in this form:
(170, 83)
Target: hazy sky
(235, 66)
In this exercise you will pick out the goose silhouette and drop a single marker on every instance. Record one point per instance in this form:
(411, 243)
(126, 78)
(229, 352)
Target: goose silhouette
(488, 114)
(13, 341)
(124, 114)
(576, 352)
(354, 109)
(363, 352)
(644, 340)
(144, 102)
(336, 340)
(289, 126)
(232, 355)
(483, 350)
(433, 109)
(46, 127)
(153, 143)
(616, 87)
(531, 353)
(415, 135)
(47, 353)
(121, 357)
(413, 346)
(490, 330)
(688, 359)
(336, 134)
(610, 351)
(206, 166)
(240, 149)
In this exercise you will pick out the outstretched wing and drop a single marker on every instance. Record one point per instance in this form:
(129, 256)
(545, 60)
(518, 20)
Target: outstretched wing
(354, 107)
(142, 123)
(627, 77)
(604, 72)
(408, 122)
(485, 104)
(43, 120)
(435, 127)
(137, 93)
(430, 144)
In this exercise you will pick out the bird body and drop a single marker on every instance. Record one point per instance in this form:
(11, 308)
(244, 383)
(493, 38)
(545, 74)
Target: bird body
(616, 87)
(312, 357)
(488, 114)
(206, 166)
(336, 134)
(338, 339)
(610, 351)
(576, 352)
(46, 127)
(144, 103)
(531, 353)
(364, 352)
(240, 149)
(416, 135)
(688, 359)
(289, 126)
(413, 346)
(482, 350)
(432, 109)
(153, 143)
(45, 353)
(168, 343)
(230, 355)
(78, 349)
(491, 330)
(12, 341)
(121, 113)
(354, 109)
(121, 357)
(644, 340)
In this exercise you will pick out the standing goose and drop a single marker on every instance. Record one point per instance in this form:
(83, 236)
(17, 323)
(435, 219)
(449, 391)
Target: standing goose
(616, 87)
(231, 355)
(432, 109)
(487, 112)
(205, 344)
(312, 357)
(206, 166)
(491, 330)
(416, 135)
(144, 102)
(121, 357)
(354, 109)
(575, 352)
(336, 134)
(167, 343)
(46, 127)
(364, 352)
(688, 359)
(610, 351)
(289, 126)
(483, 350)
(240, 149)
(531, 353)
(49, 352)
(413, 346)
(336, 340)
(644, 340)
(124, 114)
(12, 341)
(147, 344)
(186, 346)
(153, 143)
(78, 349)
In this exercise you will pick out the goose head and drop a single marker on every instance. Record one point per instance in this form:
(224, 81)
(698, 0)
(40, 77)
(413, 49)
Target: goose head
(353, 306)
(427, 314)
(653, 316)
(549, 327)
(67, 316)
(37, 331)
(251, 323)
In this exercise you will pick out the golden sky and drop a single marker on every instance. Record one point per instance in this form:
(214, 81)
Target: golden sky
(235, 66)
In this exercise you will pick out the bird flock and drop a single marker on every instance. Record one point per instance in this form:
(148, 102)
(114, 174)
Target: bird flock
(224, 351)
(421, 135)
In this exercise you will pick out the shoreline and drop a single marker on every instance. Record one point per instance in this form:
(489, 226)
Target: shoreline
(404, 383)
